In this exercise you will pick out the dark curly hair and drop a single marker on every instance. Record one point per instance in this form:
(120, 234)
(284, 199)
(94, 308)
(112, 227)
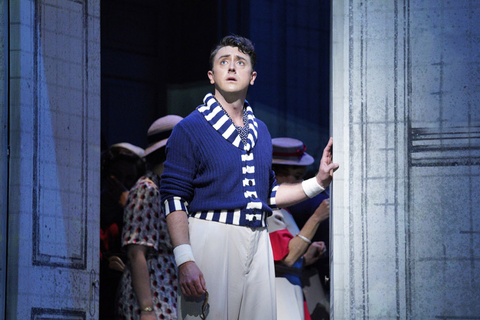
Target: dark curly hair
(243, 44)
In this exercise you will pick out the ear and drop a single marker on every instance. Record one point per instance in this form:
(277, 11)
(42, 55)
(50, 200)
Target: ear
(253, 77)
(210, 76)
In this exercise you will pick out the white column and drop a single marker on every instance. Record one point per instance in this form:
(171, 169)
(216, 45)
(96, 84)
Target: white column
(406, 127)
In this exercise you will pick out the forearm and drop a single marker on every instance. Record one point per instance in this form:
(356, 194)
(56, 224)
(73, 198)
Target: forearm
(178, 228)
(289, 194)
(299, 244)
(191, 278)
(310, 227)
(297, 248)
(140, 275)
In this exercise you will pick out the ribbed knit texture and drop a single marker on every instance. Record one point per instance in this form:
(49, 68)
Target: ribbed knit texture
(213, 175)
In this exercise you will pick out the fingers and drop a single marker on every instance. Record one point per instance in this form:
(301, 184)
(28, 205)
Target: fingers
(193, 288)
(327, 156)
(192, 282)
(116, 266)
(322, 248)
(326, 202)
(116, 263)
(328, 148)
(204, 285)
(332, 167)
(323, 210)
(316, 244)
(123, 198)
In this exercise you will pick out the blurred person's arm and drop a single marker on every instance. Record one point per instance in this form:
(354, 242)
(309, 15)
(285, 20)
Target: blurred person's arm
(300, 243)
(141, 278)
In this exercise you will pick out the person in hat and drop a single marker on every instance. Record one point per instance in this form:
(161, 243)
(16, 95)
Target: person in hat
(121, 165)
(293, 249)
(315, 277)
(149, 283)
(217, 191)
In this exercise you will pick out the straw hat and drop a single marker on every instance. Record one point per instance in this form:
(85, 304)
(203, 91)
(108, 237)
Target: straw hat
(289, 151)
(159, 131)
(137, 150)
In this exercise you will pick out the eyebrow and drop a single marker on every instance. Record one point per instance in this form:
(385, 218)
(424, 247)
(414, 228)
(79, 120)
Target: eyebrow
(228, 55)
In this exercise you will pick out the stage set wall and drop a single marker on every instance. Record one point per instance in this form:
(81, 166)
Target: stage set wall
(405, 119)
(51, 134)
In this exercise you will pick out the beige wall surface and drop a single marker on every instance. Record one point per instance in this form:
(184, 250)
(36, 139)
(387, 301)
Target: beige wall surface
(406, 120)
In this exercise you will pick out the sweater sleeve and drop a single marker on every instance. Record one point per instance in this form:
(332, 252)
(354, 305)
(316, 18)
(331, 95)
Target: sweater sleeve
(179, 170)
(273, 191)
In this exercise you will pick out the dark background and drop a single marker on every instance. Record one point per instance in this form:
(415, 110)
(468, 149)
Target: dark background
(155, 60)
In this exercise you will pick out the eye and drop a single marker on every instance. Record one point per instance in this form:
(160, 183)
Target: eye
(223, 62)
(241, 63)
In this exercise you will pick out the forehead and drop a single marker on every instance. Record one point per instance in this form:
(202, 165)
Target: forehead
(231, 51)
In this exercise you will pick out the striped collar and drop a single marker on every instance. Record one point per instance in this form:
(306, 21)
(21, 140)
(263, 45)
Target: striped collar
(214, 114)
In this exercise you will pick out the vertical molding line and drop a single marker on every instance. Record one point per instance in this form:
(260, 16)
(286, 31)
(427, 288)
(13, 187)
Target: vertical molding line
(5, 152)
(363, 124)
(395, 162)
(35, 190)
(409, 265)
(85, 121)
(351, 244)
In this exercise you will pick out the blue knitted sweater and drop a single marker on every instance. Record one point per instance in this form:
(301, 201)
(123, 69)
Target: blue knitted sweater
(211, 174)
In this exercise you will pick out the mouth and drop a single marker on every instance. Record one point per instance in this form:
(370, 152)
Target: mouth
(231, 79)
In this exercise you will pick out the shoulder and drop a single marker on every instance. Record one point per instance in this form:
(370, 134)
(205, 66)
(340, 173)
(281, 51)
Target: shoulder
(144, 183)
(193, 118)
(189, 123)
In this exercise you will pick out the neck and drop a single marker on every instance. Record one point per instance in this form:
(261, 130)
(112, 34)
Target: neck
(233, 106)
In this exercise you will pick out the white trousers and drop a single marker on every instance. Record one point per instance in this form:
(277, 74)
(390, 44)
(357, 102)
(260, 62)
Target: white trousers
(237, 264)
(289, 300)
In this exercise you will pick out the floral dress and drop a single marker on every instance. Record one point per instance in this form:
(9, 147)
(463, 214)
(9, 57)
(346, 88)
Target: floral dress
(145, 224)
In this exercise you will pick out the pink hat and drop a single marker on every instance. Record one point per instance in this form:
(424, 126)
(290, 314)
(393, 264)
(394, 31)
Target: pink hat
(159, 132)
(289, 151)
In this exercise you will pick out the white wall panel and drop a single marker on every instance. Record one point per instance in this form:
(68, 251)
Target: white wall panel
(54, 168)
(405, 120)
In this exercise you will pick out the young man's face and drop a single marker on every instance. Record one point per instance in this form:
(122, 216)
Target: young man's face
(232, 71)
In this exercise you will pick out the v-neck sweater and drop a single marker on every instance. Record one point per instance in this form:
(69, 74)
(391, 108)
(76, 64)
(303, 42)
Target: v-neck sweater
(211, 174)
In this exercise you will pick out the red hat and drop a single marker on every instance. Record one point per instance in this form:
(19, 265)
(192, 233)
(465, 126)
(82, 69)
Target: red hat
(289, 151)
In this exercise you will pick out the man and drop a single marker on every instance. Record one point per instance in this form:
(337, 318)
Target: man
(217, 190)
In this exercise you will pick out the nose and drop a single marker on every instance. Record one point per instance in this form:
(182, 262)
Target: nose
(231, 65)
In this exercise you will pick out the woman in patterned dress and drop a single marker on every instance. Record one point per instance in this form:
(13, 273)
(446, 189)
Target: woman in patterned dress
(148, 289)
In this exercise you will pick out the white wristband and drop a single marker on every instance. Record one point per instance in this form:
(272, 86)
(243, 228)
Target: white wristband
(183, 253)
(311, 187)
